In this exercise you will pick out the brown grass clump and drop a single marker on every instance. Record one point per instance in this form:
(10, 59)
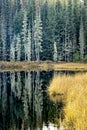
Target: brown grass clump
(74, 89)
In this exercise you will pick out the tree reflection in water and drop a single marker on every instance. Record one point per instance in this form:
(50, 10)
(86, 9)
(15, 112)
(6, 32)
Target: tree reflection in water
(24, 103)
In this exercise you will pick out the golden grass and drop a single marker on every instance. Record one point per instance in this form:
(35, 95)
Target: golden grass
(42, 65)
(74, 89)
(24, 66)
(70, 66)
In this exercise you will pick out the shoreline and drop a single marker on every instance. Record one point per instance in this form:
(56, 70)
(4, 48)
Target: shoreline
(41, 66)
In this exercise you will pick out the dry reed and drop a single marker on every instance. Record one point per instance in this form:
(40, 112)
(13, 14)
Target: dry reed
(74, 89)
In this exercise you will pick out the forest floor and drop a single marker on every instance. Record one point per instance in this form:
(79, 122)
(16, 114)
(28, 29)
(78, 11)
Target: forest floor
(42, 65)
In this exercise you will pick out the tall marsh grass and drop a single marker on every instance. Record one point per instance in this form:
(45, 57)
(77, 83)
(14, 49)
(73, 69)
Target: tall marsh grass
(73, 90)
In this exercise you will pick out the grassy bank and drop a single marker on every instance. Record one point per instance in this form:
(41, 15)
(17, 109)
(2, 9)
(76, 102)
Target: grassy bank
(72, 90)
(41, 66)
(26, 66)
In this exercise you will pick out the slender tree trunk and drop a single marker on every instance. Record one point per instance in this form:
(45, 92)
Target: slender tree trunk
(81, 40)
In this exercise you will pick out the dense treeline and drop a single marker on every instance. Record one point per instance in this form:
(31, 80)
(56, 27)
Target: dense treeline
(43, 30)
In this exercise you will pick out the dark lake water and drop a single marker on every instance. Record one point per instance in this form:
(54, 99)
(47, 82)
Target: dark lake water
(24, 102)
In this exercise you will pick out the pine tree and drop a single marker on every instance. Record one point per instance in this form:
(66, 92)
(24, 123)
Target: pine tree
(85, 26)
(68, 47)
(76, 23)
(59, 31)
(38, 32)
(18, 47)
(45, 54)
(55, 52)
(0, 30)
(24, 36)
(31, 17)
(12, 49)
(7, 26)
(81, 40)
(28, 46)
(48, 27)
(3, 43)
(3, 31)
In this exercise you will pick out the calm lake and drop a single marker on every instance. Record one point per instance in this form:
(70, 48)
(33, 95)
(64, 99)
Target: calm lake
(25, 103)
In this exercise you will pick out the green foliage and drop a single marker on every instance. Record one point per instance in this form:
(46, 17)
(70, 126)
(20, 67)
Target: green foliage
(62, 22)
(18, 22)
(76, 56)
(47, 40)
(85, 58)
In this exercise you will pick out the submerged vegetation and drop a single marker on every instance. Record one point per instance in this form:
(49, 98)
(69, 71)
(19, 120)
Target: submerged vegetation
(72, 90)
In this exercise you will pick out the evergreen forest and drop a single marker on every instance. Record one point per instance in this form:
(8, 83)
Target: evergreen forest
(43, 30)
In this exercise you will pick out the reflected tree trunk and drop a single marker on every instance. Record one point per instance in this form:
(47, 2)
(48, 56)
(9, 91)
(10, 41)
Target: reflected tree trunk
(4, 100)
(0, 86)
(18, 85)
(12, 75)
(38, 99)
(25, 97)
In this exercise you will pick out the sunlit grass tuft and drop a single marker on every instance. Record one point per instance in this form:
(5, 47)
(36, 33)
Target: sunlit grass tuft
(74, 90)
